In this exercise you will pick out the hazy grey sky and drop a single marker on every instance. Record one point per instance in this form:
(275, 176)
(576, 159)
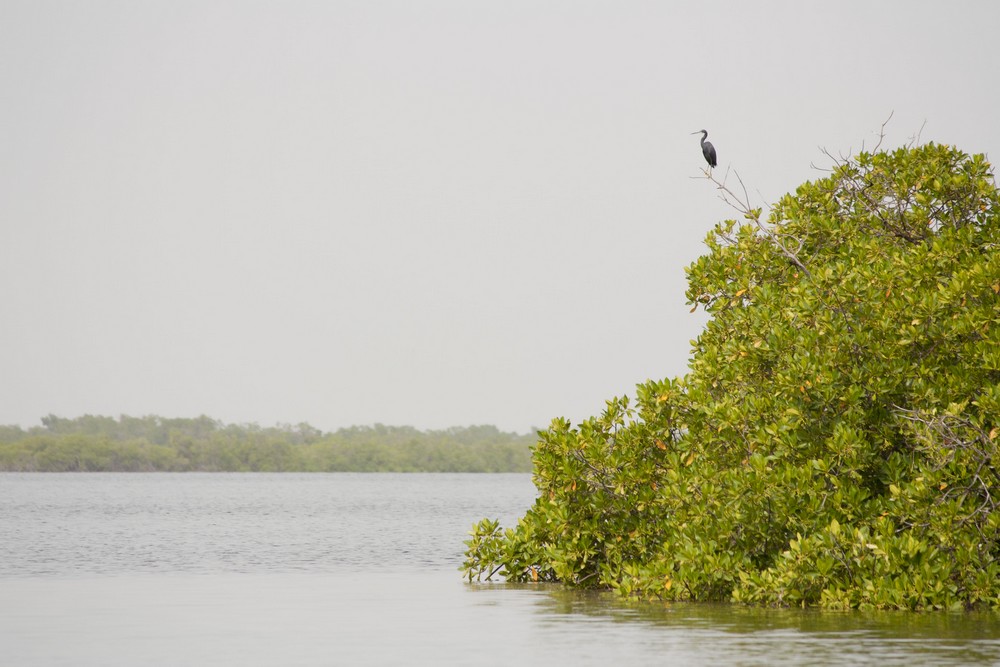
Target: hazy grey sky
(428, 213)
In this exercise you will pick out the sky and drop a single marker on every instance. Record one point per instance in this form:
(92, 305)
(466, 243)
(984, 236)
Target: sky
(436, 213)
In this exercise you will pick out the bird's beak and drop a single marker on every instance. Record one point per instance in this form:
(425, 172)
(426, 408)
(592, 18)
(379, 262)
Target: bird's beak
(696, 132)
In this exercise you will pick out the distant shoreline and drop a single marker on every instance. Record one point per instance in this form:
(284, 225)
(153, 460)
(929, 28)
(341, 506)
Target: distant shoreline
(156, 444)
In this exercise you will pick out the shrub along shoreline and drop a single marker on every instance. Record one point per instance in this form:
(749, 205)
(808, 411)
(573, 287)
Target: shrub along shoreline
(836, 439)
(156, 444)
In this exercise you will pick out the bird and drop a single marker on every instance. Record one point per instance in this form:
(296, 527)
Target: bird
(707, 149)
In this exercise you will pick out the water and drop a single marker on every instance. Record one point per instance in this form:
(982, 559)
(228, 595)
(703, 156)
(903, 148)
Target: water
(123, 524)
(342, 569)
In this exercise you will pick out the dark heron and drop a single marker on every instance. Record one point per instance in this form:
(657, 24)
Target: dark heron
(707, 149)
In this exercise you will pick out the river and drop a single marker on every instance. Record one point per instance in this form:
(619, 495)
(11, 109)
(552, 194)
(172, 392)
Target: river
(362, 569)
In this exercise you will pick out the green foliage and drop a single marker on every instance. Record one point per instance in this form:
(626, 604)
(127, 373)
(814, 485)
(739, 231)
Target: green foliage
(834, 442)
(93, 443)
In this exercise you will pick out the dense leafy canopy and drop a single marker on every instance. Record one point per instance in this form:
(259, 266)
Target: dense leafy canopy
(96, 443)
(835, 440)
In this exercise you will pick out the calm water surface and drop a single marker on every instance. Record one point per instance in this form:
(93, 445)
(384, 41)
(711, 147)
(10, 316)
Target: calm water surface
(343, 569)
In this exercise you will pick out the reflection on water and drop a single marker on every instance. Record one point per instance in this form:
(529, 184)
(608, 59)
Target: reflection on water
(362, 570)
(727, 634)
(369, 618)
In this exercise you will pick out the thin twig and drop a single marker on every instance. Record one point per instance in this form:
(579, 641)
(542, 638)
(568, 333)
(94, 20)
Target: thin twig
(881, 131)
(915, 139)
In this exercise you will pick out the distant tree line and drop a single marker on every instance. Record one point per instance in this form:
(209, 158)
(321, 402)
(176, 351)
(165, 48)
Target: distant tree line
(150, 444)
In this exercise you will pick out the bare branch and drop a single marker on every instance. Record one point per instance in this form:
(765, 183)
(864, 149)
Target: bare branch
(881, 131)
(915, 139)
(743, 206)
(763, 199)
